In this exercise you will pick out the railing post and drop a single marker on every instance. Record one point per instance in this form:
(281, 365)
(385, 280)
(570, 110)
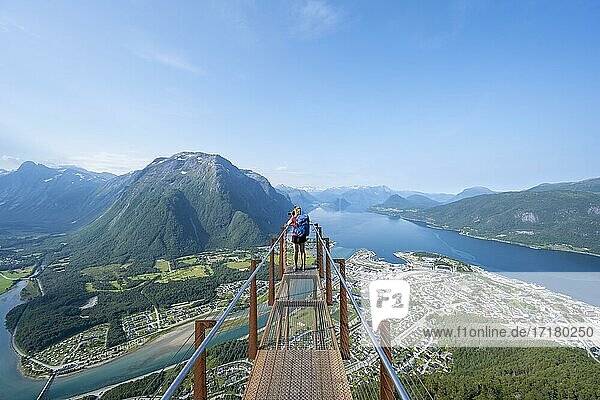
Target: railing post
(272, 273)
(386, 385)
(281, 251)
(200, 327)
(319, 250)
(284, 238)
(344, 329)
(253, 319)
(328, 274)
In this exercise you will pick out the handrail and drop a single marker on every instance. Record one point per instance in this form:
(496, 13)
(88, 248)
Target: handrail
(386, 362)
(190, 363)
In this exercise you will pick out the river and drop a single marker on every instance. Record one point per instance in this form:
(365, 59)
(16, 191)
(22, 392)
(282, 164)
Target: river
(577, 275)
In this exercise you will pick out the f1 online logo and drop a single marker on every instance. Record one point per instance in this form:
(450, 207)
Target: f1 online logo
(389, 300)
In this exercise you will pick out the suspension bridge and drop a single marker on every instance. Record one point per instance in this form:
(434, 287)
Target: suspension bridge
(309, 346)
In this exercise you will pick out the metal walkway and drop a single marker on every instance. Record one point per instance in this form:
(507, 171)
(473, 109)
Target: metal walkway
(298, 356)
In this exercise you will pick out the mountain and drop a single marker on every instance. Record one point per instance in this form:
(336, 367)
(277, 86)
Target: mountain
(299, 197)
(471, 192)
(359, 198)
(588, 185)
(184, 204)
(422, 201)
(396, 202)
(39, 198)
(556, 219)
(340, 204)
(437, 197)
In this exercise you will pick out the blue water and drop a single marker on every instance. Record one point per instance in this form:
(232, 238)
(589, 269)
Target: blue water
(350, 231)
(12, 384)
(574, 274)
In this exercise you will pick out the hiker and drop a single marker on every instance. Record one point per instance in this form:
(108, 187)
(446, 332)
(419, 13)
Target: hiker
(301, 224)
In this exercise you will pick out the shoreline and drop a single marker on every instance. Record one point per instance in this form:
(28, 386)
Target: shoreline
(101, 391)
(154, 337)
(531, 246)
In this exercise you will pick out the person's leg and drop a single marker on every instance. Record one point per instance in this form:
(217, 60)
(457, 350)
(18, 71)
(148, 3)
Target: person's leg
(296, 245)
(303, 254)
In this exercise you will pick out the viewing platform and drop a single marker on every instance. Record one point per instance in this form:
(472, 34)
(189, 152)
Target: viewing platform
(303, 352)
(299, 357)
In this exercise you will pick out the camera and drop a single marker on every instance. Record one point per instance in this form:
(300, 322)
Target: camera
(293, 212)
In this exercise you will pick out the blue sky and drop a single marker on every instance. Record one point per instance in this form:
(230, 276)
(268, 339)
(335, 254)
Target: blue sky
(433, 96)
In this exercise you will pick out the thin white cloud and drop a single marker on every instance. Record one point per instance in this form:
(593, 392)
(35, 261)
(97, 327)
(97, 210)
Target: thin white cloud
(11, 25)
(170, 59)
(315, 18)
(8, 25)
(10, 162)
(115, 163)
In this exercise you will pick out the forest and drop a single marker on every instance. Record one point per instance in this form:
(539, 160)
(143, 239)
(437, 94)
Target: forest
(517, 373)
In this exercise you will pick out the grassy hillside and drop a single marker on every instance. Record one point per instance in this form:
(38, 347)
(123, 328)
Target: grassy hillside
(558, 219)
(588, 185)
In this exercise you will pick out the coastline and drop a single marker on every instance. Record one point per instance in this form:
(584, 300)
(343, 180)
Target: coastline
(531, 246)
(102, 390)
(153, 338)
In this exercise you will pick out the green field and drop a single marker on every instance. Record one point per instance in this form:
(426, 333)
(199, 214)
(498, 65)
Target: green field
(5, 284)
(162, 265)
(106, 272)
(116, 280)
(189, 260)
(238, 264)
(18, 273)
(197, 271)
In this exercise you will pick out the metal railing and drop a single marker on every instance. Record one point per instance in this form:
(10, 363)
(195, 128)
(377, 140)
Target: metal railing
(401, 391)
(171, 390)
(327, 258)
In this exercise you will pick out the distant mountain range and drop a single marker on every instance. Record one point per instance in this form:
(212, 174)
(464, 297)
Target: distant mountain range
(362, 198)
(44, 199)
(299, 197)
(175, 206)
(544, 216)
(358, 198)
(395, 202)
(193, 201)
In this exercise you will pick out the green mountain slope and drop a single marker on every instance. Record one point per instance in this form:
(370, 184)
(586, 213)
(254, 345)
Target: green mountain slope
(471, 192)
(588, 185)
(557, 219)
(422, 201)
(395, 202)
(180, 205)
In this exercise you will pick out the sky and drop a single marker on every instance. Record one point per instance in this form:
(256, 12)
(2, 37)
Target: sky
(422, 95)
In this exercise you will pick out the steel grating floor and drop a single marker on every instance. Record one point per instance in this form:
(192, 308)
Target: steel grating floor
(298, 374)
(299, 357)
